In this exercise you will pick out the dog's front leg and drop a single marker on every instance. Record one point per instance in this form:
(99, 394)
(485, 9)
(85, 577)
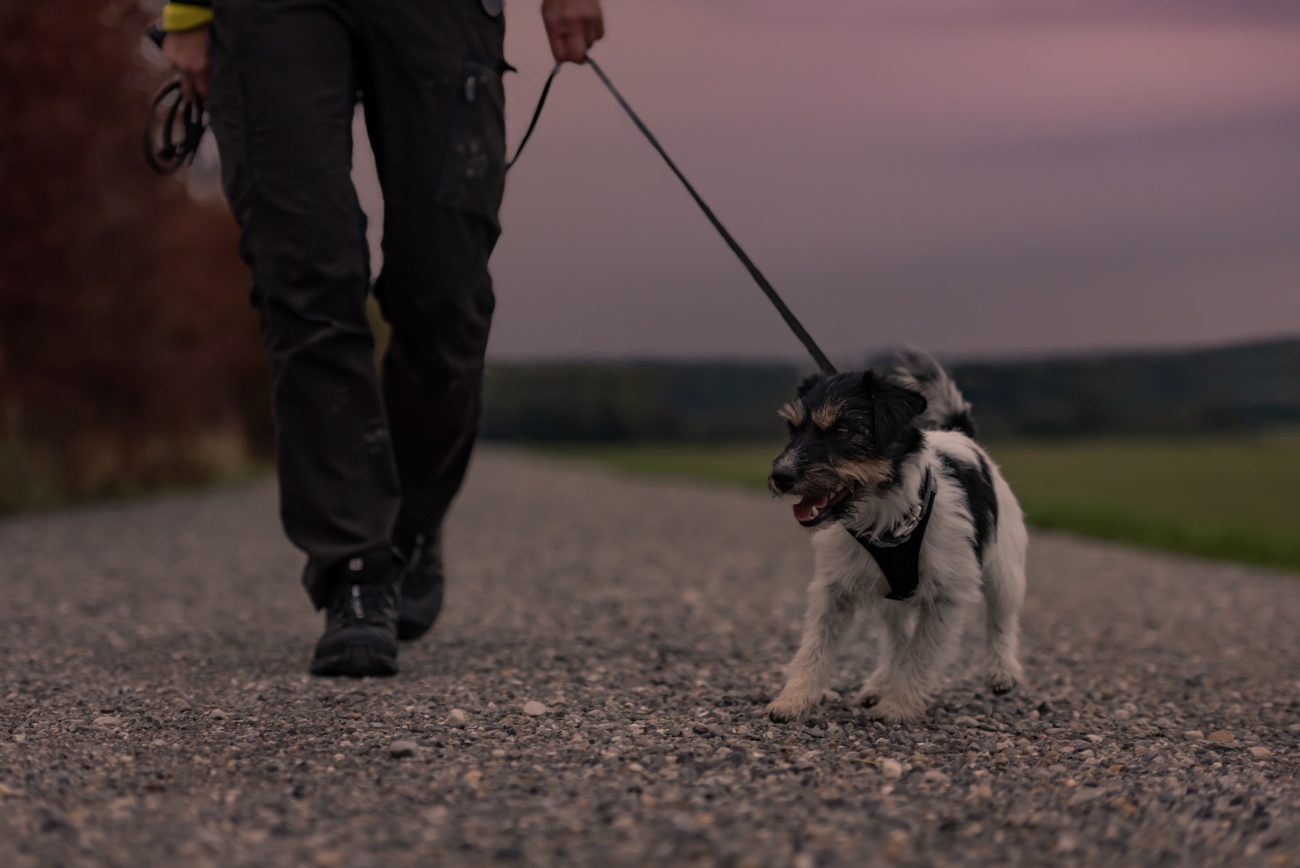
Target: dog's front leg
(830, 610)
(919, 664)
(896, 627)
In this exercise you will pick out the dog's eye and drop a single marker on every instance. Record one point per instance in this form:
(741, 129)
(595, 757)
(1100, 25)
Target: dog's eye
(842, 433)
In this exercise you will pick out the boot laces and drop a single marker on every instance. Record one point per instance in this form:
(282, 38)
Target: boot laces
(417, 552)
(362, 602)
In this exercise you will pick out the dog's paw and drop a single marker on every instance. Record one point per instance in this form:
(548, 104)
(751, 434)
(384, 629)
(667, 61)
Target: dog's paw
(893, 711)
(1003, 677)
(867, 697)
(791, 708)
(869, 694)
(1001, 682)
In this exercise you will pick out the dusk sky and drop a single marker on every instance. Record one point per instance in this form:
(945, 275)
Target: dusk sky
(979, 178)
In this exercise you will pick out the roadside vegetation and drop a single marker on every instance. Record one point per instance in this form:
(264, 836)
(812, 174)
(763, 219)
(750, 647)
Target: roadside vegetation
(129, 355)
(1226, 497)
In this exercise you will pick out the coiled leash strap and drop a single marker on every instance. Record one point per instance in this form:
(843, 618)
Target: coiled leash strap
(163, 151)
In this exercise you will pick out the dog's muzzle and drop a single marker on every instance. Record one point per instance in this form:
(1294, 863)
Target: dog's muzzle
(783, 478)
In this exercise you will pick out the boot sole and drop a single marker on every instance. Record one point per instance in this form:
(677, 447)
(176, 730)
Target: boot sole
(356, 664)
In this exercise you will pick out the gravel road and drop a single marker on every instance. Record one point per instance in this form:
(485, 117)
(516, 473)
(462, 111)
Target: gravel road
(593, 696)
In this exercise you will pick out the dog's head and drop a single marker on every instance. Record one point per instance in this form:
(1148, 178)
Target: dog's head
(846, 433)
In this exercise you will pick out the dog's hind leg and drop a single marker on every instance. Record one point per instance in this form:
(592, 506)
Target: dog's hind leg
(896, 627)
(830, 611)
(1004, 593)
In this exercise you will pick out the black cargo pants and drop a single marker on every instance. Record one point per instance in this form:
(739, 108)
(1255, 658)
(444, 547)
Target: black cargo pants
(363, 464)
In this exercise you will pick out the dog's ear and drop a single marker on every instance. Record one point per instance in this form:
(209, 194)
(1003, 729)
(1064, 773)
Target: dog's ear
(807, 384)
(893, 409)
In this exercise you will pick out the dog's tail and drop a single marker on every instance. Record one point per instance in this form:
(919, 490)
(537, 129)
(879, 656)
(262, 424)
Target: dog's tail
(947, 410)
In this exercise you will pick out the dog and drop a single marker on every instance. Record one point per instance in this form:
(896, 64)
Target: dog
(913, 522)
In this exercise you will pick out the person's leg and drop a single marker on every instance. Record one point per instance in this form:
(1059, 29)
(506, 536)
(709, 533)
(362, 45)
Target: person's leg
(283, 93)
(435, 112)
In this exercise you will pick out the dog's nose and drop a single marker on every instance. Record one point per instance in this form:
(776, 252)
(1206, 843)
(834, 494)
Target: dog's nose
(784, 478)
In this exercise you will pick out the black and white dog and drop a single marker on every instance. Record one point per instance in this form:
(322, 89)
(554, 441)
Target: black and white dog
(913, 522)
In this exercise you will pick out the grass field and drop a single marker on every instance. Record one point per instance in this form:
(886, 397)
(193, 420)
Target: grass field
(1233, 498)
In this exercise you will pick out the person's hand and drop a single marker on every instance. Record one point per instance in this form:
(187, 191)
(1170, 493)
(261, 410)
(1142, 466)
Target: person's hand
(573, 26)
(187, 51)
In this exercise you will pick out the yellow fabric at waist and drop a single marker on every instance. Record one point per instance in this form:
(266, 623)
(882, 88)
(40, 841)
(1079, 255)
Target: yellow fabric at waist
(183, 16)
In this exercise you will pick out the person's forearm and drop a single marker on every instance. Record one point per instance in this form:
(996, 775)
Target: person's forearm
(187, 51)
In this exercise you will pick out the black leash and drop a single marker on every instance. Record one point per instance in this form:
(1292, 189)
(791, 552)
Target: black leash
(786, 314)
(795, 326)
(537, 113)
(167, 154)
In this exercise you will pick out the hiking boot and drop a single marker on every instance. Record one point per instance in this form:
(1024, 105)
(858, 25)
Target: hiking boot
(421, 587)
(360, 635)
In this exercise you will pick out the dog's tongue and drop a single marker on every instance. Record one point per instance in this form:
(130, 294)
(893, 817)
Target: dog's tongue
(803, 510)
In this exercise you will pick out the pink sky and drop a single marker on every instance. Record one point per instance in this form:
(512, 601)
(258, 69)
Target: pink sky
(996, 178)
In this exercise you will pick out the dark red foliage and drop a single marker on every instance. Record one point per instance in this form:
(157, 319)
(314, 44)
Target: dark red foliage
(123, 306)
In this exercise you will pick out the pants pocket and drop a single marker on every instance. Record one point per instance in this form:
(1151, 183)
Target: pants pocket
(474, 166)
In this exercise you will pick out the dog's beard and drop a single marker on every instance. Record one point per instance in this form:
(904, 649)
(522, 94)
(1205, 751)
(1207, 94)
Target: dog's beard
(825, 494)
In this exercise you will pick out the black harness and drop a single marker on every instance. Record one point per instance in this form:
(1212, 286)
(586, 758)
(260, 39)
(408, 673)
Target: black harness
(898, 552)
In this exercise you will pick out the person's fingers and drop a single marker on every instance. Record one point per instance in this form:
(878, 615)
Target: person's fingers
(187, 86)
(554, 30)
(572, 27)
(202, 80)
(557, 44)
(595, 29)
(169, 48)
(569, 46)
(575, 46)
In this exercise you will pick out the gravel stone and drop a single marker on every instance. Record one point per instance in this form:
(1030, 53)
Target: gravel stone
(535, 709)
(653, 619)
(936, 778)
(401, 749)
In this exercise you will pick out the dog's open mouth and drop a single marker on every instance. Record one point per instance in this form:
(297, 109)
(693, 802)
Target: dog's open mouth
(813, 509)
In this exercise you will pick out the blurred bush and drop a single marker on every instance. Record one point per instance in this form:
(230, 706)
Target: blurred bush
(1234, 388)
(1246, 387)
(646, 401)
(129, 356)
